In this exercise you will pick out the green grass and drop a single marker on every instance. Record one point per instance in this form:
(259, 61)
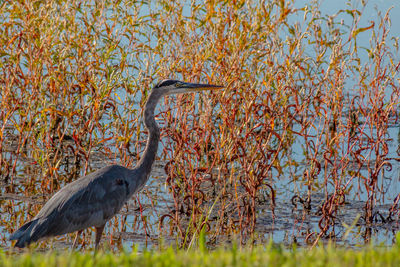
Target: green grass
(259, 256)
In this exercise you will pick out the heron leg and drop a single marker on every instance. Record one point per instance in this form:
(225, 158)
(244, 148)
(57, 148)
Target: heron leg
(99, 231)
(76, 239)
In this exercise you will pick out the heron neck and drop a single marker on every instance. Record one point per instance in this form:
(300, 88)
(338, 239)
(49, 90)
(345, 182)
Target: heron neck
(150, 152)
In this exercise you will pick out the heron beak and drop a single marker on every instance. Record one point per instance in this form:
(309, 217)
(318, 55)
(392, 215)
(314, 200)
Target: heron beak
(196, 87)
(193, 87)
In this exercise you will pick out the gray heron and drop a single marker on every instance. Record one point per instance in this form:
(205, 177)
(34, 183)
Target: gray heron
(94, 199)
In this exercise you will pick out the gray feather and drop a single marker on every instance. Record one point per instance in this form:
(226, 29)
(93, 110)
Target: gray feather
(89, 201)
(92, 200)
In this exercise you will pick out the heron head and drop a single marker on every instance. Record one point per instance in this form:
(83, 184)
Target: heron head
(169, 87)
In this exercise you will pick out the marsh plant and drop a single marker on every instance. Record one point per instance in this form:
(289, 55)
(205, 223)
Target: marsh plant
(304, 103)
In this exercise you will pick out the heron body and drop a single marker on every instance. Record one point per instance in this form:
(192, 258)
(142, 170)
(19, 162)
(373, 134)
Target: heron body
(95, 198)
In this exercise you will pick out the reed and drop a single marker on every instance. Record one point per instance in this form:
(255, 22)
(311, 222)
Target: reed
(304, 102)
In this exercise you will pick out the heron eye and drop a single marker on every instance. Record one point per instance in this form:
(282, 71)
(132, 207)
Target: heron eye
(178, 84)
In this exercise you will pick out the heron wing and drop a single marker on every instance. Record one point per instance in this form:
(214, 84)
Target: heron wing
(89, 201)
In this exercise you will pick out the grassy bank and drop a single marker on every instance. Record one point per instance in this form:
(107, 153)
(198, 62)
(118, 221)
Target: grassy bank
(259, 256)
